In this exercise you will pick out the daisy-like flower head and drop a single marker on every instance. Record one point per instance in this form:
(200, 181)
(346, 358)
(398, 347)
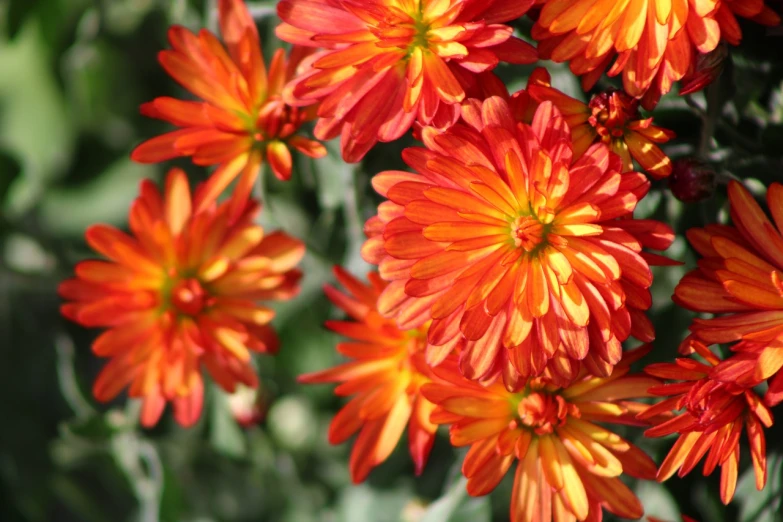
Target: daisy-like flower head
(385, 376)
(710, 417)
(653, 43)
(178, 294)
(524, 259)
(387, 63)
(611, 117)
(569, 466)
(242, 120)
(740, 278)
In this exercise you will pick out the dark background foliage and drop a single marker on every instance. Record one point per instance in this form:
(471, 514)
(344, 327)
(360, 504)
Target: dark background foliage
(72, 75)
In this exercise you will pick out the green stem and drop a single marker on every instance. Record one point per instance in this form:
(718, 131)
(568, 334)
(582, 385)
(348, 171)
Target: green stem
(710, 118)
(69, 385)
(211, 15)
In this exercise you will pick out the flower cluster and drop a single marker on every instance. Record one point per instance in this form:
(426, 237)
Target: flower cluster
(510, 265)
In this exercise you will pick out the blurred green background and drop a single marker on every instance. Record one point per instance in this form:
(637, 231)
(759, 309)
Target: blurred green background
(72, 75)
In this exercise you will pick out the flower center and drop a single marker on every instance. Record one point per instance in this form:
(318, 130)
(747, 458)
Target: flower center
(543, 413)
(611, 112)
(276, 120)
(714, 403)
(404, 30)
(528, 233)
(189, 297)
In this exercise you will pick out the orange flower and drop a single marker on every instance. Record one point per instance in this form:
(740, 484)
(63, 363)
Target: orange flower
(613, 118)
(180, 292)
(387, 63)
(712, 421)
(740, 276)
(653, 43)
(504, 241)
(386, 374)
(242, 120)
(569, 466)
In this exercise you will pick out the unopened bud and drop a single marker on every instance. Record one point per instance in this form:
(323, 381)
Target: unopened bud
(706, 70)
(692, 180)
(248, 405)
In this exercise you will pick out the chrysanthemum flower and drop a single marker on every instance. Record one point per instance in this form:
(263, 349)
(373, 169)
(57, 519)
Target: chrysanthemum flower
(387, 63)
(518, 254)
(652, 43)
(569, 466)
(712, 416)
(385, 376)
(180, 293)
(242, 120)
(613, 118)
(740, 277)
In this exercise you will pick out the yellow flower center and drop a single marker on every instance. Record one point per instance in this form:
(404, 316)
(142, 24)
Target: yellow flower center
(405, 31)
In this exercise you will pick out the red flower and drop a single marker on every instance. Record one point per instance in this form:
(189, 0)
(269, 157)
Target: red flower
(388, 63)
(740, 277)
(519, 255)
(178, 294)
(568, 465)
(712, 416)
(242, 120)
(385, 377)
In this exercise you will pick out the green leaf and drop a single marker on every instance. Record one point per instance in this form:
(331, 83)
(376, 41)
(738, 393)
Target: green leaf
(34, 123)
(9, 170)
(657, 500)
(17, 14)
(225, 435)
(456, 506)
(290, 423)
(764, 505)
(363, 504)
(69, 211)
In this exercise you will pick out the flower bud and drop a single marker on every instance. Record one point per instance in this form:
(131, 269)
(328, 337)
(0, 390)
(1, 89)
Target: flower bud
(706, 70)
(692, 180)
(248, 405)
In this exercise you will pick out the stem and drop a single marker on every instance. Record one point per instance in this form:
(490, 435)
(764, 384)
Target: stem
(710, 118)
(351, 208)
(140, 462)
(69, 386)
(259, 12)
(746, 142)
(211, 15)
